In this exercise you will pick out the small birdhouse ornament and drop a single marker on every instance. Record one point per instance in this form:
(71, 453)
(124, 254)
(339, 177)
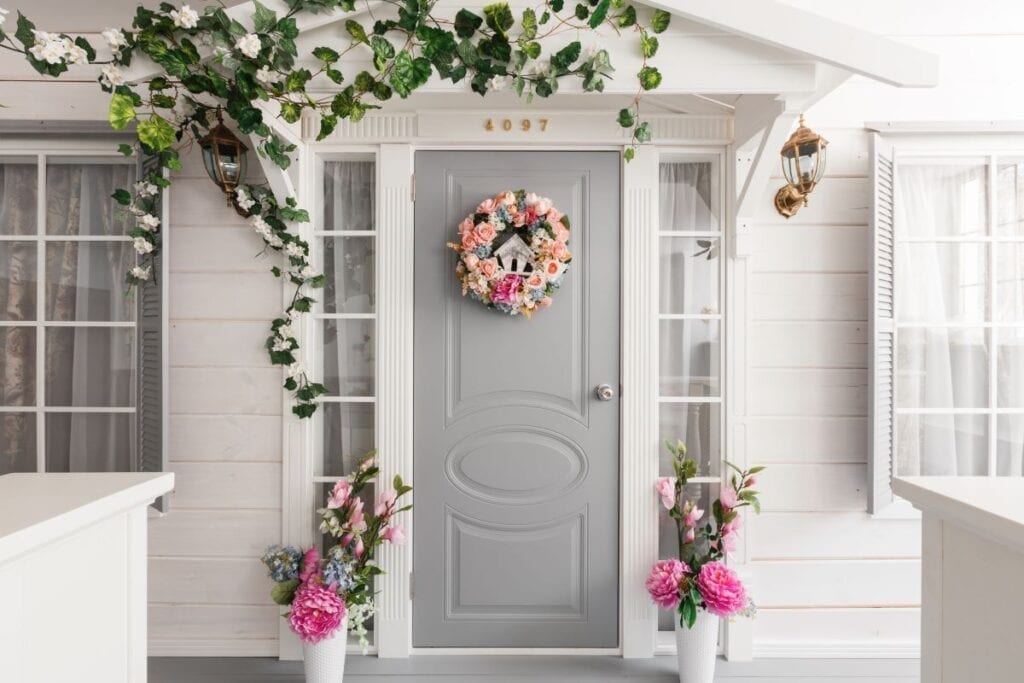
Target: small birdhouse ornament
(514, 256)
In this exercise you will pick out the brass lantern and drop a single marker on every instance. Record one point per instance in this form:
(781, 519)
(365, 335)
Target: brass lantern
(224, 158)
(803, 164)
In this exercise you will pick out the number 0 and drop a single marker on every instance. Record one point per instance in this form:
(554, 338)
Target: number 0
(507, 124)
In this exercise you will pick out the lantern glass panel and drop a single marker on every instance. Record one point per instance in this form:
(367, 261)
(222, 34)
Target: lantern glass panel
(210, 162)
(229, 161)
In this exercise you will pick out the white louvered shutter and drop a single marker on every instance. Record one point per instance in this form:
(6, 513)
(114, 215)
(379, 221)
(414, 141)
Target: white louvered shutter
(882, 328)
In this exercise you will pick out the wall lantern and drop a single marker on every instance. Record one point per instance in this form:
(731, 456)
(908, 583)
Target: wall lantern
(224, 158)
(803, 164)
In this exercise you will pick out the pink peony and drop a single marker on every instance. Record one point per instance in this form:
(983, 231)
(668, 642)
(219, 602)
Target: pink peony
(310, 565)
(394, 534)
(721, 589)
(728, 498)
(666, 488)
(385, 503)
(339, 494)
(505, 291)
(663, 582)
(316, 613)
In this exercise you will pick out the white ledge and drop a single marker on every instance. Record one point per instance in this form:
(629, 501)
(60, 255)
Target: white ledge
(37, 509)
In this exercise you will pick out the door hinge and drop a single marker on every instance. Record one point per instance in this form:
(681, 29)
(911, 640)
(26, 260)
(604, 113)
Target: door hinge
(412, 188)
(412, 586)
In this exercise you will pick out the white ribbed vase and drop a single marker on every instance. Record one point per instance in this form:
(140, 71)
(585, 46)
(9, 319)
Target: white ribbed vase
(324, 662)
(697, 648)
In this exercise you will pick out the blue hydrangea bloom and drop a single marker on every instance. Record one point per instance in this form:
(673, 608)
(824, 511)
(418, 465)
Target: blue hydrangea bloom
(483, 252)
(336, 570)
(282, 562)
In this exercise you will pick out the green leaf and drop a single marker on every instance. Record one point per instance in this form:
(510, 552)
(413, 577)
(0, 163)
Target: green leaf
(599, 14)
(755, 469)
(660, 20)
(90, 53)
(467, 23)
(628, 17)
(122, 197)
(629, 154)
(24, 31)
(582, 11)
(122, 111)
(643, 134)
(329, 56)
(648, 45)
(532, 49)
(382, 51)
(687, 613)
(126, 149)
(356, 30)
(564, 58)
(557, 5)
(304, 410)
(156, 133)
(529, 23)
(626, 119)
(499, 17)
(291, 112)
(650, 77)
(264, 20)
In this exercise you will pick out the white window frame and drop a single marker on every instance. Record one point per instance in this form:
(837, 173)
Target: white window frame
(919, 143)
(88, 148)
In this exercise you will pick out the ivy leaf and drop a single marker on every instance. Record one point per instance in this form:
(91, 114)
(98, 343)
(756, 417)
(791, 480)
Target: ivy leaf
(156, 133)
(643, 134)
(328, 55)
(529, 23)
(90, 53)
(557, 5)
(467, 23)
(409, 73)
(499, 17)
(126, 149)
(648, 45)
(626, 119)
(660, 20)
(264, 20)
(356, 30)
(600, 12)
(564, 58)
(122, 197)
(582, 11)
(628, 17)
(382, 51)
(650, 77)
(629, 154)
(532, 50)
(122, 111)
(290, 112)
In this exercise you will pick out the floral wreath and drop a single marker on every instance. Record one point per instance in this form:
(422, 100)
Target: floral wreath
(513, 252)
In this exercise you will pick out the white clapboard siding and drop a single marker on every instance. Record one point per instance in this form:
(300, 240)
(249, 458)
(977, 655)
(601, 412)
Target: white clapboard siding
(799, 439)
(803, 391)
(938, 17)
(225, 438)
(836, 201)
(200, 203)
(872, 629)
(242, 485)
(825, 344)
(809, 296)
(836, 535)
(838, 583)
(812, 249)
(225, 296)
(227, 581)
(208, 249)
(193, 622)
(215, 343)
(848, 153)
(814, 488)
(226, 391)
(213, 533)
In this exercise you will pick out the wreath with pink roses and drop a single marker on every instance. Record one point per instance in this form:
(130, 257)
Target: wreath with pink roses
(513, 252)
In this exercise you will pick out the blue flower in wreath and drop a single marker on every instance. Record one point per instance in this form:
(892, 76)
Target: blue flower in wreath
(483, 251)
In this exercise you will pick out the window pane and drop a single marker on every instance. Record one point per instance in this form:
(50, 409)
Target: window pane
(1010, 191)
(1010, 447)
(90, 366)
(348, 435)
(688, 196)
(689, 353)
(699, 426)
(349, 271)
(90, 442)
(349, 350)
(85, 281)
(942, 368)
(78, 197)
(941, 200)
(349, 195)
(689, 275)
(17, 366)
(18, 279)
(17, 442)
(19, 190)
(942, 282)
(1010, 367)
(941, 445)
(1010, 286)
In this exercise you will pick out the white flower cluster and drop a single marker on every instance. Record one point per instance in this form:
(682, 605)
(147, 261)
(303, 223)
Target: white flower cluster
(283, 338)
(249, 45)
(296, 370)
(142, 245)
(3, 15)
(186, 17)
(263, 75)
(115, 38)
(140, 272)
(111, 76)
(244, 200)
(182, 110)
(265, 231)
(294, 249)
(55, 49)
(146, 189)
(302, 271)
(148, 222)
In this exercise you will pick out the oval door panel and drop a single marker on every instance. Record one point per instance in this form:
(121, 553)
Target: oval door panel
(516, 464)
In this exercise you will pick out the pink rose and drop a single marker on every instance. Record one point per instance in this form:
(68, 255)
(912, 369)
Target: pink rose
(663, 582)
(552, 268)
(535, 281)
(394, 534)
(559, 250)
(310, 565)
(466, 226)
(666, 488)
(544, 303)
(469, 241)
(485, 233)
(488, 267)
(508, 199)
(316, 613)
(339, 494)
(728, 498)
(554, 217)
(561, 234)
(721, 589)
(471, 260)
(506, 290)
(486, 206)
(542, 205)
(385, 503)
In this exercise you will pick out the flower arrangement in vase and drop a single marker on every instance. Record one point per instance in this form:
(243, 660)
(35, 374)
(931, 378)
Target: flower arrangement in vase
(698, 584)
(333, 594)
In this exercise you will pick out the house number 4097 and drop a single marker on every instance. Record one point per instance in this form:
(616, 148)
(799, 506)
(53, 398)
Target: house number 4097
(509, 124)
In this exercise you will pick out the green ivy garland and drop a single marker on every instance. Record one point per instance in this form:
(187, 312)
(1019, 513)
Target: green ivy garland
(213, 63)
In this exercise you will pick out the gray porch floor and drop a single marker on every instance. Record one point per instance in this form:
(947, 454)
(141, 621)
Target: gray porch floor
(517, 669)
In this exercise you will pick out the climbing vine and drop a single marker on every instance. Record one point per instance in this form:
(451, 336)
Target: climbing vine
(213, 64)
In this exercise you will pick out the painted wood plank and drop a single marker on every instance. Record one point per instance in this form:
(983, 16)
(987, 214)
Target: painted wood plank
(837, 201)
(215, 343)
(809, 296)
(224, 438)
(849, 154)
(219, 249)
(837, 535)
(238, 485)
(838, 583)
(804, 392)
(814, 488)
(236, 533)
(226, 391)
(225, 296)
(809, 344)
(869, 632)
(811, 249)
(227, 622)
(208, 580)
(943, 18)
(808, 439)
(196, 201)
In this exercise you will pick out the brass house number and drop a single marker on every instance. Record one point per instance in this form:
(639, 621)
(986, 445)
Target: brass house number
(524, 125)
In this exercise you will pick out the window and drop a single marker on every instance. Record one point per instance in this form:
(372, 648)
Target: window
(949, 315)
(74, 343)
(691, 325)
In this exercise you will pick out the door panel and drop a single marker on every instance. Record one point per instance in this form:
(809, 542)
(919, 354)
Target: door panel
(516, 460)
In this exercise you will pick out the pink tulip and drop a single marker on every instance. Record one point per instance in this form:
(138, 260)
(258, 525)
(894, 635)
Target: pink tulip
(394, 534)
(339, 494)
(666, 488)
(310, 565)
(385, 503)
(356, 517)
(360, 547)
(691, 534)
(692, 514)
(728, 498)
(749, 483)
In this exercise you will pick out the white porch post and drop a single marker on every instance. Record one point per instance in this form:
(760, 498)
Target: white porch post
(393, 620)
(639, 524)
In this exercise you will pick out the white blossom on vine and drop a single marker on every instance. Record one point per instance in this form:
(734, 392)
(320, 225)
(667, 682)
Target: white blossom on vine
(249, 45)
(149, 222)
(140, 272)
(115, 38)
(142, 245)
(111, 76)
(186, 17)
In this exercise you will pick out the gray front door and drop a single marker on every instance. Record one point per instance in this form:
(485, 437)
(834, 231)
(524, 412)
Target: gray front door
(516, 459)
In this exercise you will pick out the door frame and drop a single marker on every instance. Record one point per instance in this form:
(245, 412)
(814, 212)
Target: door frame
(393, 140)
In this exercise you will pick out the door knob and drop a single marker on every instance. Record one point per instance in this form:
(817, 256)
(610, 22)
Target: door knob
(604, 392)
